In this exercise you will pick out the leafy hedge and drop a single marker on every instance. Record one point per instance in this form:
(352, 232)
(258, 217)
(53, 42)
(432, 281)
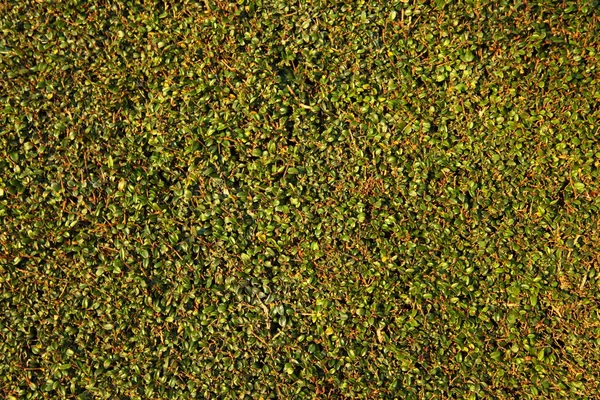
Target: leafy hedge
(282, 199)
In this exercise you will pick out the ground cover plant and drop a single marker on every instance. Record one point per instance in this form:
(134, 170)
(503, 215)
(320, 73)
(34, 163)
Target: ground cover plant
(299, 199)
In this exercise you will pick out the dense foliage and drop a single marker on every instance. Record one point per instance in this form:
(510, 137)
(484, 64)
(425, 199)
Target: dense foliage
(282, 199)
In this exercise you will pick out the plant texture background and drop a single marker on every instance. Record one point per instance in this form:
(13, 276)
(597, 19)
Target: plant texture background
(299, 199)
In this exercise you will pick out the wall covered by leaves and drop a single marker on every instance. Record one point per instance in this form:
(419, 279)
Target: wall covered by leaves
(299, 199)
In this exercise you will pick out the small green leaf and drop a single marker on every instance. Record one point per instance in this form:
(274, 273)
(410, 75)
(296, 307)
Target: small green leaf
(541, 355)
(512, 316)
(533, 300)
(289, 368)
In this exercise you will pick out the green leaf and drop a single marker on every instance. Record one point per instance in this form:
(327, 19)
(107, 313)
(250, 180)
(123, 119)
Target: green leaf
(468, 56)
(533, 299)
(513, 316)
(541, 355)
(289, 368)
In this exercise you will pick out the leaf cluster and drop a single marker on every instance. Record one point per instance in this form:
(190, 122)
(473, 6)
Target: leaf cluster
(299, 199)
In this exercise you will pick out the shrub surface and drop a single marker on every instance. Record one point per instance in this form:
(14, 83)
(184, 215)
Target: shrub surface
(314, 199)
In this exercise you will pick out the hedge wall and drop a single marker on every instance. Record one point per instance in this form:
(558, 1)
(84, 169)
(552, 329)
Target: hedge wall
(299, 199)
